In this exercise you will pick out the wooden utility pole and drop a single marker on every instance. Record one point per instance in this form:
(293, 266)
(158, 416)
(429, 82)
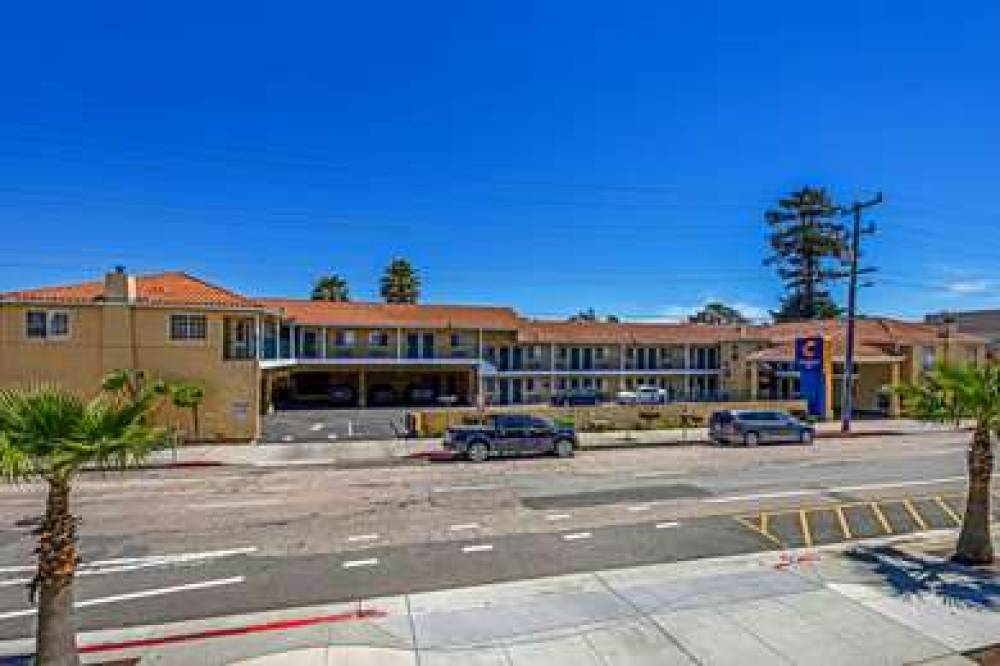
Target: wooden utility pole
(847, 395)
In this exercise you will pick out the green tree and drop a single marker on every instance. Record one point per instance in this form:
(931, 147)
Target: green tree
(718, 314)
(808, 242)
(188, 395)
(584, 315)
(400, 282)
(49, 434)
(331, 288)
(954, 394)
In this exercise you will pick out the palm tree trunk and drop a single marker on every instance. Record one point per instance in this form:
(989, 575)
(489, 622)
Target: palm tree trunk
(55, 642)
(975, 544)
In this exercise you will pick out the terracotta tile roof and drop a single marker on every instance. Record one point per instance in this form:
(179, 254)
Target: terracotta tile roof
(872, 330)
(387, 315)
(785, 351)
(588, 332)
(172, 288)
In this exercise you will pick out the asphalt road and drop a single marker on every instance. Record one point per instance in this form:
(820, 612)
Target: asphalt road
(171, 545)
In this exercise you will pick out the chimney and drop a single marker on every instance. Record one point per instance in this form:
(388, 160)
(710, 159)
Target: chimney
(948, 325)
(119, 286)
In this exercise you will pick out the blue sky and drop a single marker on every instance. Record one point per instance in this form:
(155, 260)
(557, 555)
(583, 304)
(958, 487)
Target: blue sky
(549, 155)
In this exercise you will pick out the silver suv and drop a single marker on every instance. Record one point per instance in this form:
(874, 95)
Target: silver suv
(753, 427)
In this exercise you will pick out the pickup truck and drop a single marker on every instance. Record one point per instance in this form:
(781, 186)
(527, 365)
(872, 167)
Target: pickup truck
(510, 434)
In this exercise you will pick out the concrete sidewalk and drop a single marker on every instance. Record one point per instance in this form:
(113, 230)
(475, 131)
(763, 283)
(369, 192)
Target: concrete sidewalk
(889, 602)
(397, 451)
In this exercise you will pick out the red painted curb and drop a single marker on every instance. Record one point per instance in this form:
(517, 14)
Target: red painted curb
(278, 625)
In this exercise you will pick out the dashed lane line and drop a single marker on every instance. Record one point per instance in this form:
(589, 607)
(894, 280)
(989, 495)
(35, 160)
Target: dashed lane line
(667, 525)
(362, 537)
(557, 516)
(463, 526)
(577, 536)
(478, 548)
(354, 564)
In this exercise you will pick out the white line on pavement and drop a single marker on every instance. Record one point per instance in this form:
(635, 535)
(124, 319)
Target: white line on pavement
(900, 484)
(577, 536)
(362, 537)
(459, 489)
(667, 525)
(293, 463)
(639, 507)
(478, 548)
(351, 564)
(120, 563)
(137, 595)
(653, 475)
(463, 526)
(740, 498)
(316, 427)
(557, 516)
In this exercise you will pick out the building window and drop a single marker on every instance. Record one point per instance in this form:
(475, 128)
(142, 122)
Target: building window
(599, 353)
(378, 339)
(456, 339)
(188, 327)
(46, 324)
(490, 385)
(563, 353)
(929, 357)
(345, 338)
(529, 385)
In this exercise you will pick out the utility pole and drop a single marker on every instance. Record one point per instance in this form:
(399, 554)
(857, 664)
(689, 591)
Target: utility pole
(847, 397)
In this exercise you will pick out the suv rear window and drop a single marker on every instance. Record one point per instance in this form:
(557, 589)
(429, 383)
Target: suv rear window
(722, 417)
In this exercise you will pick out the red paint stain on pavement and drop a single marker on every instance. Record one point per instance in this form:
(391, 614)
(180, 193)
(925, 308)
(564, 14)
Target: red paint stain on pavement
(789, 560)
(278, 625)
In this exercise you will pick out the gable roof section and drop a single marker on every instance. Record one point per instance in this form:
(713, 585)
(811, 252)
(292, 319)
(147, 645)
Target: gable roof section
(392, 315)
(172, 288)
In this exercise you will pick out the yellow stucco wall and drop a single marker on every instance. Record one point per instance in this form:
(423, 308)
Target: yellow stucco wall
(110, 336)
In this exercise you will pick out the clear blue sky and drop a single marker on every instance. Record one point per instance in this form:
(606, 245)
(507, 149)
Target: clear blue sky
(548, 155)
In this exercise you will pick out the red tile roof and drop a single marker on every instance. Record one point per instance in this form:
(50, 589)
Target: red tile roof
(172, 288)
(590, 332)
(390, 315)
(872, 330)
(785, 351)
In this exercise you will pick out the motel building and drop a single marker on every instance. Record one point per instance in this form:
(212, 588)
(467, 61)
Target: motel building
(256, 356)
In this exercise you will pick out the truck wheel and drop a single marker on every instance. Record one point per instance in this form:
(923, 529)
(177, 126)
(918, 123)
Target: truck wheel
(751, 439)
(478, 452)
(564, 448)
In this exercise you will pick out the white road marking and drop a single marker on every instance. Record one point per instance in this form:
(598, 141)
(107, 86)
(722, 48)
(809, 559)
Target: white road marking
(464, 526)
(577, 536)
(557, 516)
(136, 595)
(118, 564)
(667, 525)
(332, 435)
(741, 498)
(288, 438)
(14, 581)
(478, 548)
(236, 504)
(291, 463)
(639, 507)
(17, 569)
(900, 484)
(459, 489)
(653, 475)
(362, 537)
(315, 427)
(351, 564)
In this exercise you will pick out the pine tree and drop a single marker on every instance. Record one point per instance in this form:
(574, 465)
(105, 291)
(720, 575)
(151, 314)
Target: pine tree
(807, 242)
(331, 288)
(718, 314)
(400, 282)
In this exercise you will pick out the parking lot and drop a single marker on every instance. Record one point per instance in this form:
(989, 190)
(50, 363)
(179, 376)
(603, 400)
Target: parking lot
(838, 522)
(321, 425)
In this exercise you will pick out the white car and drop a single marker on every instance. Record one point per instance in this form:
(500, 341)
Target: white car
(643, 395)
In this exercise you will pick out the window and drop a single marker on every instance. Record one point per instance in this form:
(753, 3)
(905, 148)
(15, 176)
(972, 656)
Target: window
(378, 339)
(188, 327)
(345, 338)
(46, 324)
(599, 353)
(563, 353)
(929, 357)
(456, 339)
(529, 385)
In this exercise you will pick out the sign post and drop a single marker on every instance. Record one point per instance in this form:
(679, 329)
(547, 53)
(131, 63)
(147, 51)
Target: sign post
(814, 378)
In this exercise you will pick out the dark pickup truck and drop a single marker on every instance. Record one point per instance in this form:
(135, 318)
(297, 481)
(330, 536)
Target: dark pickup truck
(510, 434)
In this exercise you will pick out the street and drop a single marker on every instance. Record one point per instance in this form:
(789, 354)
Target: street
(168, 545)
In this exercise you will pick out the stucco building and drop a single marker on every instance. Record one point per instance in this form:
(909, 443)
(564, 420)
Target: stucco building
(254, 355)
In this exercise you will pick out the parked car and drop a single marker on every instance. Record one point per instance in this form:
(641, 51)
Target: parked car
(381, 395)
(643, 395)
(753, 427)
(421, 395)
(510, 434)
(341, 395)
(582, 396)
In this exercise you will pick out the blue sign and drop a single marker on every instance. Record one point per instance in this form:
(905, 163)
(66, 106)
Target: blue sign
(810, 363)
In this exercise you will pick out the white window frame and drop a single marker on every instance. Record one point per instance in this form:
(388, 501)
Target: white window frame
(344, 338)
(49, 315)
(187, 340)
(378, 339)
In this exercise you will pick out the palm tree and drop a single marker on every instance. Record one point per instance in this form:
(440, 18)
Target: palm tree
(49, 434)
(952, 394)
(400, 282)
(187, 395)
(331, 288)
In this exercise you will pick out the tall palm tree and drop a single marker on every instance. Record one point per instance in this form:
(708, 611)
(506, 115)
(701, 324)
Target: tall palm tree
(954, 394)
(400, 282)
(49, 434)
(331, 288)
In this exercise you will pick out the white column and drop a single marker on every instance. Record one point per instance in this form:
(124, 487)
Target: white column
(293, 341)
(399, 343)
(479, 344)
(256, 337)
(322, 342)
(277, 339)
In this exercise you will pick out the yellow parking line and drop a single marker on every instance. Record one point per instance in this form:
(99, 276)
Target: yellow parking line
(947, 509)
(877, 510)
(763, 522)
(844, 527)
(763, 532)
(917, 518)
(806, 534)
